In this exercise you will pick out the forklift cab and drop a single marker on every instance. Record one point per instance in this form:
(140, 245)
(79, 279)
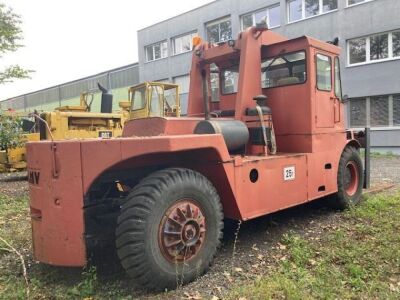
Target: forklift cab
(300, 79)
(154, 99)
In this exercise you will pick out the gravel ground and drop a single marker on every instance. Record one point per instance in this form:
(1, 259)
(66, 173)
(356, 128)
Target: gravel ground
(256, 248)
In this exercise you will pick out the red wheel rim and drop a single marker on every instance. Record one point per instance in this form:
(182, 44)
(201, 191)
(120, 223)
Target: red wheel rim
(182, 231)
(351, 178)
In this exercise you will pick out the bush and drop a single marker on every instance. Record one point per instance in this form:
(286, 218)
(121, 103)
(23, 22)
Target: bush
(10, 132)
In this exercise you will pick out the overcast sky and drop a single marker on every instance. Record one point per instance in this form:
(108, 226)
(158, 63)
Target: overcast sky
(68, 39)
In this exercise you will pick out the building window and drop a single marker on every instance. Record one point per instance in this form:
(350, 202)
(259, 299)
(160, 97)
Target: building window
(184, 84)
(383, 111)
(379, 46)
(382, 46)
(396, 110)
(353, 2)
(219, 31)
(273, 14)
(396, 43)
(358, 112)
(183, 43)
(156, 51)
(302, 9)
(324, 73)
(357, 50)
(379, 106)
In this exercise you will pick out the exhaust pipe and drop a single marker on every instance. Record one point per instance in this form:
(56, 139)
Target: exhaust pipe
(106, 100)
(205, 95)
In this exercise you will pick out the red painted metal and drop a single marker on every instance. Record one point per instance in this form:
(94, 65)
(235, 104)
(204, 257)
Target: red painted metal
(351, 178)
(310, 137)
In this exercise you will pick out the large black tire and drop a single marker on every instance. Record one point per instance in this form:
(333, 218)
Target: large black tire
(140, 238)
(350, 179)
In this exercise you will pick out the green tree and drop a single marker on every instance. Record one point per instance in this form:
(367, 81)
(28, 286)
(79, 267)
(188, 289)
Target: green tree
(10, 132)
(10, 36)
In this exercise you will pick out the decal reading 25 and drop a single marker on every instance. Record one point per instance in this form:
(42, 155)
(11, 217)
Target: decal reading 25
(289, 173)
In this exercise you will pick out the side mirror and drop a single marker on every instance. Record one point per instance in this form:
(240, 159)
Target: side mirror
(345, 98)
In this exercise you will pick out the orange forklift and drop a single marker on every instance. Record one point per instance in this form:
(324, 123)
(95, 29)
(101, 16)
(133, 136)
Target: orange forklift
(274, 138)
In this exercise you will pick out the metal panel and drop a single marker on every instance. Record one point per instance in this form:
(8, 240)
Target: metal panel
(72, 90)
(42, 97)
(124, 78)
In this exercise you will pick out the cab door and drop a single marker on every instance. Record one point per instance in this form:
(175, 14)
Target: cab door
(325, 98)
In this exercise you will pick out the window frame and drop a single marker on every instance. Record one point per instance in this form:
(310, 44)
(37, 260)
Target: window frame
(355, 4)
(152, 47)
(173, 39)
(292, 84)
(253, 16)
(368, 59)
(303, 11)
(316, 71)
(215, 22)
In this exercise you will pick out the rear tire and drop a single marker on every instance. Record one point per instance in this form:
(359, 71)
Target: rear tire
(169, 229)
(350, 179)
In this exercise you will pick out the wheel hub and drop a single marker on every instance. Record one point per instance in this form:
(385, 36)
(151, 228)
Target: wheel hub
(182, 231)
(351, 178)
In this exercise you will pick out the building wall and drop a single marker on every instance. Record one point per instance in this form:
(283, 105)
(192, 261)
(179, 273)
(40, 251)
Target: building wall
(347, 22)
(117, 81)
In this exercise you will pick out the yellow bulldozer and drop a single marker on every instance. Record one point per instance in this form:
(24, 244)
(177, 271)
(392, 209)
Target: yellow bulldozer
(148, 99)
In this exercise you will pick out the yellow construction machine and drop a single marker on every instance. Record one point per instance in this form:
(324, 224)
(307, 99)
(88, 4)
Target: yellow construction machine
(70, 122)
(148, 99)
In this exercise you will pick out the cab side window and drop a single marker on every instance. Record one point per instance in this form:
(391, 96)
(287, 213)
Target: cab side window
(139, 98)
(324, 72)
(338, 85)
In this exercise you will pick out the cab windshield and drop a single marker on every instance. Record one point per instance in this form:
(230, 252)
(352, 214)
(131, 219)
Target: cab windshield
(285, 69)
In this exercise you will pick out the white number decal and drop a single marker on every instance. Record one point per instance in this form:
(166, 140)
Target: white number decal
(289, 173)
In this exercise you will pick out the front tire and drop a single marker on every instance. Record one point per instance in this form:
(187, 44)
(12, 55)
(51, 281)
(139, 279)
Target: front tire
(350, 179)
(169, 229)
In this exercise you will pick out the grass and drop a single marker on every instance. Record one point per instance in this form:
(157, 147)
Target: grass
(374, 154)
(45, 282)
(358, 259)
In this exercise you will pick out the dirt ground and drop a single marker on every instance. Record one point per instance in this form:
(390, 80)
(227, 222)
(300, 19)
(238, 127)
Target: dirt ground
(253, 248)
